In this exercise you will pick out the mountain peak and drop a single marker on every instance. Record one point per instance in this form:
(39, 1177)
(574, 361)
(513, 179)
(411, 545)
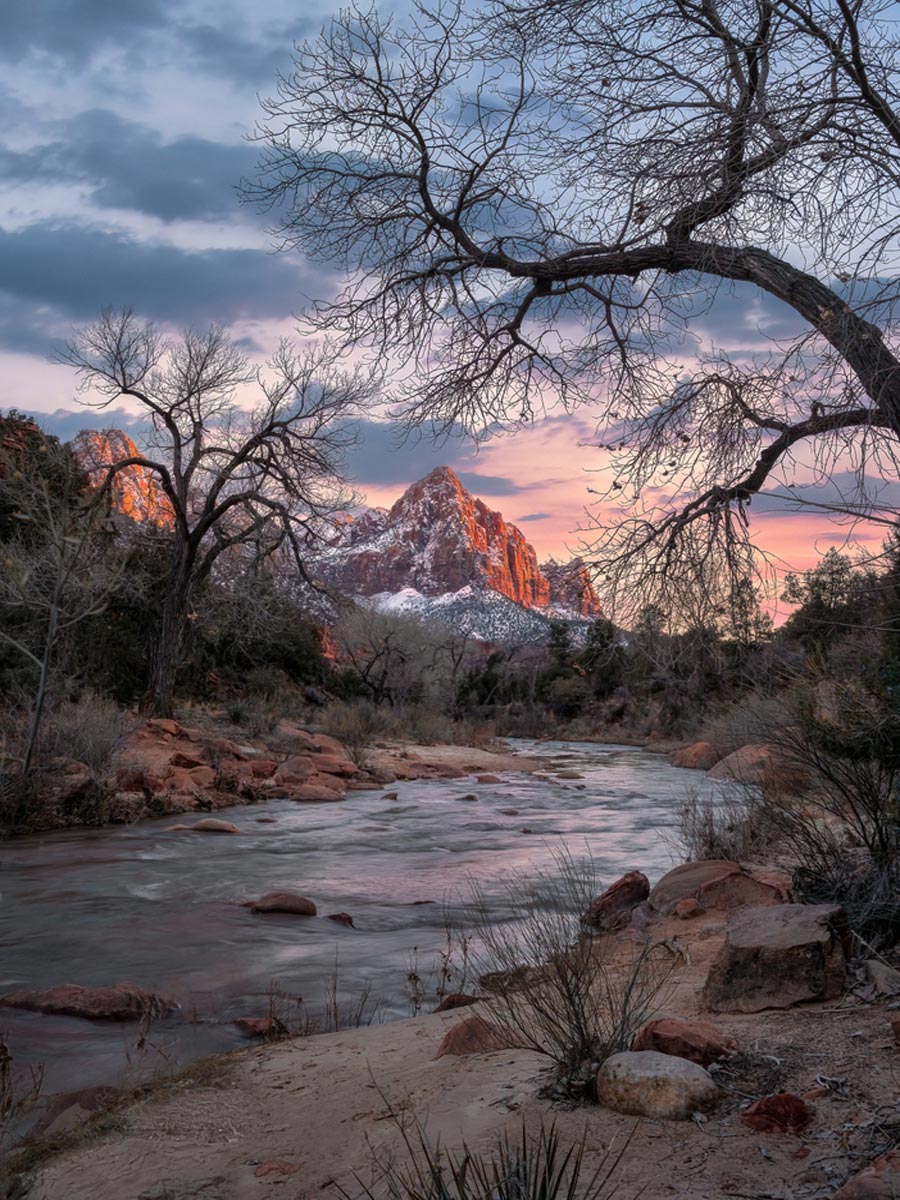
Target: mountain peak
(438, 539)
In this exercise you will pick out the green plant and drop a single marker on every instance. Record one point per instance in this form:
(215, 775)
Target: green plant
(532, 1166)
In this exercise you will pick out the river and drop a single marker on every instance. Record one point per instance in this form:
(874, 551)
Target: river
(157, 909)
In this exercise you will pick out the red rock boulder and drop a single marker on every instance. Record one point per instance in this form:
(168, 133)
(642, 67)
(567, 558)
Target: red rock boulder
(699, 756)
(764, 765)
(207, 825)
(719, 885)
(698, 1041)
(475, 1036)
(296, 769)
(612, 908)
(121, 1002)
(777, 956)
(283, 902)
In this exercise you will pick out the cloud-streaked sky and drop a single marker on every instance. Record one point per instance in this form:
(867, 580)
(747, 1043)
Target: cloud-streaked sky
(122, 142)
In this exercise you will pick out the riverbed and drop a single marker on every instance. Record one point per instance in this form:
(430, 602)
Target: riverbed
(162, 910)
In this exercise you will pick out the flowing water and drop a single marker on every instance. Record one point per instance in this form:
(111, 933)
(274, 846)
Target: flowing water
(139, 905)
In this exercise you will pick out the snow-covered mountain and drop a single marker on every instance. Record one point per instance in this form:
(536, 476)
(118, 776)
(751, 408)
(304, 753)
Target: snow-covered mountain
(443, 554)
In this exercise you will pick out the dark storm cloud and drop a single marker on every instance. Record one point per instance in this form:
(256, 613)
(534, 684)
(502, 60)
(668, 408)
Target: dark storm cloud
(491, 485)
(384, 456)
(74, 272)
(224, 51)
(65, 423)
(75, 31)
(130, 166)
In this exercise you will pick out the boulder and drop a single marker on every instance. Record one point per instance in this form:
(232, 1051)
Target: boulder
(699, 756)
(164, 726)
(341, 918)
(764, 765)
(645, 1083)
(569, 775)
(720, 885)
(776, 956)
(613, 907)
(330, 764)
(698, 1041)
(207, 825)
(781, 1113)
(189, 779)
(283, 902)
(296, 769)
(121, 1002)
(882, 977)
(314, 793)
(180, 759)
(455, 1000)
(487, 778)
(894, 1020)
(687, 909)
(475, 1036)
(880, 1180)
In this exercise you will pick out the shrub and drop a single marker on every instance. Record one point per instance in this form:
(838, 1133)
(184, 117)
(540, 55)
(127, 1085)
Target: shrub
(711, 826)
(91, 730)
(556, 988)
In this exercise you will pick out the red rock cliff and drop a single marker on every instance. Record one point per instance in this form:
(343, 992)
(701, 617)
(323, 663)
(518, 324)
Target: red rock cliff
(135, 490)
(438, 538)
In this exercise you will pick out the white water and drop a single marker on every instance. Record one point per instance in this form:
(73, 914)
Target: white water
(138, 905)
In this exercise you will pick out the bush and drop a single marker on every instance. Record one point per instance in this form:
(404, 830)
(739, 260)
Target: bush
(553, 985)
(709, 826)
(355, 723)
(90, 730)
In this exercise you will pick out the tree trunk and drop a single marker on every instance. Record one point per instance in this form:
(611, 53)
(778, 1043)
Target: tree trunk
(40, 696)
(166, 649)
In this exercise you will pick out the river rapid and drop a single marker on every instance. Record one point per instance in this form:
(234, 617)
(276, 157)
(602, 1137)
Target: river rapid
(140, 905)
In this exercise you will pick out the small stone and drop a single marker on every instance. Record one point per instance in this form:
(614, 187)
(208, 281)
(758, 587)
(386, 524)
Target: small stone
(645, 1083)
(880, 1180)
(277, 1166)
(894, 1020)
(688, 908)
(455, 1000)
(470, 796)
(389, 796)
(341, 918)
(780, 1113)
(509, 812)
(487, 778)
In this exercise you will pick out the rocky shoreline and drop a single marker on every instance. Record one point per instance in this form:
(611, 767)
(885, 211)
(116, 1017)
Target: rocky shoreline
(169, 767)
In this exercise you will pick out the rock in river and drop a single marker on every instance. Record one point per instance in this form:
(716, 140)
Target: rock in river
(121, 1002)
(283, 902)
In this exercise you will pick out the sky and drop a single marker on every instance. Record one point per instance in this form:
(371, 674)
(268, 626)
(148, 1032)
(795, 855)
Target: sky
(122, 141)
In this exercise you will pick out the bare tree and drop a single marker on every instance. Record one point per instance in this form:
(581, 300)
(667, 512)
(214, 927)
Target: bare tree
(253, 481)
(538, 203)
(58, 569)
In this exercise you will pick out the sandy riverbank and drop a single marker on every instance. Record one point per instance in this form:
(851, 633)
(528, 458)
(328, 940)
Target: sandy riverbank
(296, 1119)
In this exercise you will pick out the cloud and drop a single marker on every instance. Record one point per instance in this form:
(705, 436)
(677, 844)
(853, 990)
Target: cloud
(65, 423)
(55, 272)
(491, 485)
(76, 32)
(383, 455)
(128, 165)
(538, 516)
